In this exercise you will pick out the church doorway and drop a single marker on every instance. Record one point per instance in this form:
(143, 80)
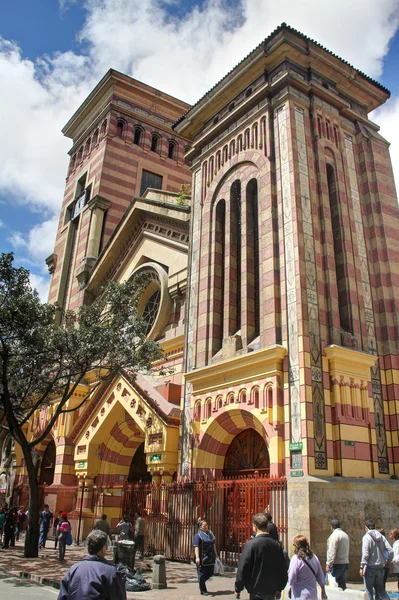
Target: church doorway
(48, 465)
(138, 469)
(247, 453)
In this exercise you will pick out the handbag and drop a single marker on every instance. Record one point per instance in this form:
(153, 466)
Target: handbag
(219, 568)
(68, 538)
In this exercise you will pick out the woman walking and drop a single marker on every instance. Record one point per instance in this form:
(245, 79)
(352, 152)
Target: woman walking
(63, 529)
(205, 555)
(305, 572)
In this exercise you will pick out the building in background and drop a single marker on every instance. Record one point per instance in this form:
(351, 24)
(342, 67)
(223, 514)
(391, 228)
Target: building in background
(278, 281)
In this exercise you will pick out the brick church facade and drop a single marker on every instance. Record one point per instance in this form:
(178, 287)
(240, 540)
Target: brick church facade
(274, 289)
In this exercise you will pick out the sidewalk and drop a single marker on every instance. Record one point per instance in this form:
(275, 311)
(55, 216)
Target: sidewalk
(181, 577)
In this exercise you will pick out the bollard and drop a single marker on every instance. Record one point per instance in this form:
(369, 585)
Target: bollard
(159, 573)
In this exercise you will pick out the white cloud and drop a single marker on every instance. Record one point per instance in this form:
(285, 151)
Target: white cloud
(387, 118)
(41, 284)
(183, 57)
(39, 243)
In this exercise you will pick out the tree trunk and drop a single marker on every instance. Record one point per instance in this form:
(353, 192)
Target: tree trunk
(32, 535)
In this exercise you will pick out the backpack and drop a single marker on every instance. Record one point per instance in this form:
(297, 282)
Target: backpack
(64, 527)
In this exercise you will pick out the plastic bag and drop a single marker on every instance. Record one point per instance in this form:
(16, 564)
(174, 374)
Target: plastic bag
(219, 569)
(331, 581)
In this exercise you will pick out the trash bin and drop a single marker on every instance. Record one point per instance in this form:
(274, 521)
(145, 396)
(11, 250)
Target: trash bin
(124, 553)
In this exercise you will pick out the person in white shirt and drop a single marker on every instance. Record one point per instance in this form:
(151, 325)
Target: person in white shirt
(338, 554)
(394, 535)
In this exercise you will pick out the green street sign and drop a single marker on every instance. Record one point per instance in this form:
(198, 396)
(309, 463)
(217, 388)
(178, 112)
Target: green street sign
(81, 465)
(155, 457)
(296, 473)
(296, 446)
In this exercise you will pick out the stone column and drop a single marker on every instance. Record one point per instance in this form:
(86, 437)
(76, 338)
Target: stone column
(97, 206)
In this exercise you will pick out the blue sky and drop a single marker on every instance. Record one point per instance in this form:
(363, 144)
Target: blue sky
(52, 54)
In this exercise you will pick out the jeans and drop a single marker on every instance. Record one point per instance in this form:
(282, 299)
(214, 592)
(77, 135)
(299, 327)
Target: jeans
(204, 573)
(374, 580)
(43, 536)
(339, 572)
(61, 545)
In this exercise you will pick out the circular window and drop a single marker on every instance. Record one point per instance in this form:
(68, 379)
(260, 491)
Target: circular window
(151, 310)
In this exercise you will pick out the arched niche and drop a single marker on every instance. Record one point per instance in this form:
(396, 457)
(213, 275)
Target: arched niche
(247, 453)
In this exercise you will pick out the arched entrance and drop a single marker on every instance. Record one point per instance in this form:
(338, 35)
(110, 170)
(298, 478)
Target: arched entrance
(48, 464)
(138, 468)
(247, 453)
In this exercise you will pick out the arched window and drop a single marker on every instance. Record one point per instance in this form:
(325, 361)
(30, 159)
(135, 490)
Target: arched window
(137, 136)
(230, 398)
(219, 275)
(263, 134)
(120, 126)
(171, 149)
(319, 127)
(197, 411)
(225, 154)
(235, 271)
(208, 409)
(255, 135)
(248, 92)
(246, 139)
(154, 142)
(255, 394)
(239, 143)
(104, 128)
(211, 168)
(218, 155)
(231, 107)
(215, 120)
(344, 303)
(253, 276)
(328, 129)
(269, 397)
(87, 147)
(72, 164)
(95, 138)
(80, 154)
(336, 135)
(232, 148)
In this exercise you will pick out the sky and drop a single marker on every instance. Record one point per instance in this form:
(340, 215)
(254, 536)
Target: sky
(53, 52)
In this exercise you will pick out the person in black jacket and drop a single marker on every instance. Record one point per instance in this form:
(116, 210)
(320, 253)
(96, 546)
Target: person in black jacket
(262, 569)
(271, 527)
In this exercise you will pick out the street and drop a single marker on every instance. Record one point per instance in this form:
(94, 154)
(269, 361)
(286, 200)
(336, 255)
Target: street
(15, 588)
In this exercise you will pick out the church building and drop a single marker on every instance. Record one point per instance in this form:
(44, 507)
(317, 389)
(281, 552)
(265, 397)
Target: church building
(273, 291)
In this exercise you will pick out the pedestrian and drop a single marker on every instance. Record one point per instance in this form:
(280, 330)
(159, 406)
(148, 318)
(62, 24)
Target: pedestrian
(102, 525)
(305, 572)
(55, 525)
(271, 527)
(20, 523)
(93, 578)
(205, 555)
(125, 529)
(387, 563)
(262, 569)
(46, 517)
(394, 535)
(9, 528)
(139, 528)
(63, 529)
(2, 519)
(338, 554)
(372, 564)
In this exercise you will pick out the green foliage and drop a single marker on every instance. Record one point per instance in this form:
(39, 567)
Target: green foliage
(41, 361)
(184, 192)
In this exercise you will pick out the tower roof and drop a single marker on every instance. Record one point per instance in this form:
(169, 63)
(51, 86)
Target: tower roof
(286, 42)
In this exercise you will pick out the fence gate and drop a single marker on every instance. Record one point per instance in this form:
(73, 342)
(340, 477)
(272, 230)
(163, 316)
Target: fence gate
(171, 512)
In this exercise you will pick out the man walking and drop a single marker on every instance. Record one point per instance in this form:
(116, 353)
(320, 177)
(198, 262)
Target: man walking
(262, 569)
(93, 578)
(372, 564)
(139, 528)
(46, 517)
(338, 554)
(102, 525)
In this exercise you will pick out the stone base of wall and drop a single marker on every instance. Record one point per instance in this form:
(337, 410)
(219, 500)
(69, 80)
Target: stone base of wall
(313, 502)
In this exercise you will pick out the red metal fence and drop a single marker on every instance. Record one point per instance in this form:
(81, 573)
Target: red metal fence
(171, 512)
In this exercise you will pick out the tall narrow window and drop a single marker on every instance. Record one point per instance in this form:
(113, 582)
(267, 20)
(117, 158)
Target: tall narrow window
(95, 138)
(255, 136)
(80, 154)
(137, 136)
(120, 125)
(235, 273)
(246, 139)
(263, 134)
(225, 154)
(220, 258)
(319, 127)
(211, 168)
(339, 253)
(104, 128)
(154, 142)
(232, 148)
(171, 149)
(218, 160)
(253, 278)
(150, 180)
(87, 147)
(328, 129)
(239, 143)
(336, 135)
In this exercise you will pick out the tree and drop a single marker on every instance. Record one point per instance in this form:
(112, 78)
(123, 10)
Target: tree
(42, 363)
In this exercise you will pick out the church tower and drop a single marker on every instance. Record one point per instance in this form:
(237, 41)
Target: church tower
(122, 144)
(292, 333)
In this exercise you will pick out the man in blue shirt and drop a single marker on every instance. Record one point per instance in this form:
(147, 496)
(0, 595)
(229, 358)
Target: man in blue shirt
(93, 578)
(46, 517)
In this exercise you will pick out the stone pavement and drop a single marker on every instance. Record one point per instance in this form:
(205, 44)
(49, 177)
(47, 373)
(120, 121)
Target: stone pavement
(181, 577)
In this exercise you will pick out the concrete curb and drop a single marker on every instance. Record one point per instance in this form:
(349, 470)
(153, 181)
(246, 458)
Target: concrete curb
(32, 577)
